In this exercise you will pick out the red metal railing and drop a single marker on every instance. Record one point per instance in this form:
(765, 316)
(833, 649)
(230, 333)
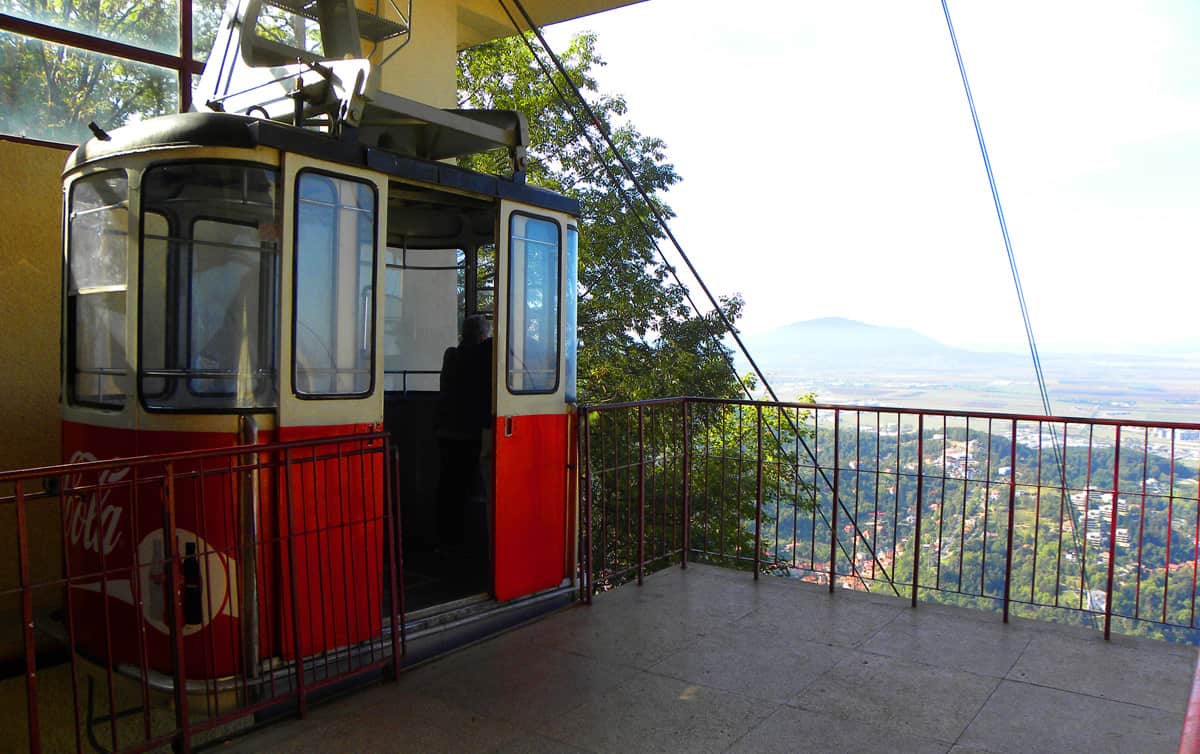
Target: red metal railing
(1087, 521)
(197, 589)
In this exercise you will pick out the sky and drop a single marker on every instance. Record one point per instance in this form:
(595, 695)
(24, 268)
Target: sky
(830, 166)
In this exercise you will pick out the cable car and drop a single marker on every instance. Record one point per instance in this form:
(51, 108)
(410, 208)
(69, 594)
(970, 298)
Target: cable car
(292, 261)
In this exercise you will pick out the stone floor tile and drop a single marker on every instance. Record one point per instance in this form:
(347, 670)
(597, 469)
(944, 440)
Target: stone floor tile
(1021, 717)
(947, 640)
(801, 731)
(895, 694)
(656, 714)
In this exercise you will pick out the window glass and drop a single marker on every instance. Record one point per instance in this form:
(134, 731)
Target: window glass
(422, 315)
(50, 92)
(149, 24)
(570, 318)
(334, 287)
(209, 324)
(98, 228)
(533, 342)
(206, 20)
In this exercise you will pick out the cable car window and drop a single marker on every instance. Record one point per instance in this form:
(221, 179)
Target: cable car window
(334, 328)
(533, 291)
(570, 310)
(98, 231)
(209, 282)
(422, 293)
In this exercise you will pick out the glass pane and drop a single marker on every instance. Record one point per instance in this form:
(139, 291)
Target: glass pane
(209, 287)
(206, 19)
(421, 316)
(50, 92)
(288, 28)
(334, 306)
(97, 249)
(533, 340)
(150, 24)
(570, 318)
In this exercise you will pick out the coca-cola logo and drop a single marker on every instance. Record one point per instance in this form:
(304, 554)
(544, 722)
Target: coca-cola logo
(93, 522)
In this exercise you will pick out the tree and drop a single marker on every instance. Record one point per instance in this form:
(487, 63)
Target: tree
(638, 337)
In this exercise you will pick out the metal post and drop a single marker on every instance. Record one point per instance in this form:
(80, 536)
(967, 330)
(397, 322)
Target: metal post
(758, 494)
(687, 488)
(290, 538)
(641, 547)
(392, 507)
(1112, 535)
(171, 555)
(398, 527)
(248, 503)
(833, 518)
(1012, 506)
(587, 506)
(31, 704)
(920, 496)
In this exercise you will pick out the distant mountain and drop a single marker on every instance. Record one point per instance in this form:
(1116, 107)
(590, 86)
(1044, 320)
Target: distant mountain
(849, 347)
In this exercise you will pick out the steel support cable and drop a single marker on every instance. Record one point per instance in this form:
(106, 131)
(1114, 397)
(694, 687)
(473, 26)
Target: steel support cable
(662, 223)
(1016, 277)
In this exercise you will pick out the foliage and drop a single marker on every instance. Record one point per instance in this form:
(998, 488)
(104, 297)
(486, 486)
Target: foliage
(638, 337)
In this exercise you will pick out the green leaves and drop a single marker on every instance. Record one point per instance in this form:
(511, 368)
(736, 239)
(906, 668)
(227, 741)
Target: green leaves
(638, 338)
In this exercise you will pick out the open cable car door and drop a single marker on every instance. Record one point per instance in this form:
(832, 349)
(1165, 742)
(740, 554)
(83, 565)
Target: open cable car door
(331, 500)
(533, 417)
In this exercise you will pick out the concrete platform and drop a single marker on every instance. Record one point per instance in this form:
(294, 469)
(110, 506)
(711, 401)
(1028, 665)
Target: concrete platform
(708, 660)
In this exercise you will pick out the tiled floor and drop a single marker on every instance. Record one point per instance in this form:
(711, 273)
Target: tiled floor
(710, 660)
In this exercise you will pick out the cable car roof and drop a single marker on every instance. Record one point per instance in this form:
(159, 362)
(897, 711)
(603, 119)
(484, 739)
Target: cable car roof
(200, 129)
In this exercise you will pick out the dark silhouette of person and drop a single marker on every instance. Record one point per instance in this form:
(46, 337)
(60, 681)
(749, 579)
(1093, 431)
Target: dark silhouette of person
(464, 410)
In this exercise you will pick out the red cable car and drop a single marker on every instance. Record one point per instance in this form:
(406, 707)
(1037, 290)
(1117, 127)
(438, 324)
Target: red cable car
(294, 264)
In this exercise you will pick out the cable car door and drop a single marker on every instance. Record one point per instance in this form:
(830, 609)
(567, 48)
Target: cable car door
(532, 429)
(330, 507)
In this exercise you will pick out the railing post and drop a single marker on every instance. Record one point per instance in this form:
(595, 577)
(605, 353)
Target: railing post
(1012, 507)
(920, 497)
(687, 488)
(587, 505)
(391, 497)
(641, 548)
(1112, 535)
(171, 555)
(290, 538)
(758, 493)
(833, 517)
(31, 703)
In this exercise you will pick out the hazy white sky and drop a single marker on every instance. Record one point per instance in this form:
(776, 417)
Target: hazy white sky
(831, 169)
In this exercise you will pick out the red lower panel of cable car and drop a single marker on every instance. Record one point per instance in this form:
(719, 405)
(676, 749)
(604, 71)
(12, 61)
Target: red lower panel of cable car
(531, 503)
(320, 548)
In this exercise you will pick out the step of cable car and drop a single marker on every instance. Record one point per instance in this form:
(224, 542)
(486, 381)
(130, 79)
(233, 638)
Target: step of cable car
(371, 27)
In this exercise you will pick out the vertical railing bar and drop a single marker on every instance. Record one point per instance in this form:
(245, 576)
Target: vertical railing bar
(833, 518)
(816, 458)
(857, 485)
(962, 517)
(1137, 592)
(641, 482)
(1012, 505)
(1037, 519)
(27, 621)
(1195, 554)
(391, 507)
(987, 499)
(796, 486)
(1170, 530)
(589, 573)
(687, 485)
(70, 606)
(758, 492)
(878, 477)
(316, 535)
(896, 502)
(139, 606)
(1112, 536)
(942, 503)
(293, 578)
(171, 554)
(398, 525)
(1084, 597)
(603, 500)
(344, 530)
(916, 546)
(208, 648)
(1062, 503)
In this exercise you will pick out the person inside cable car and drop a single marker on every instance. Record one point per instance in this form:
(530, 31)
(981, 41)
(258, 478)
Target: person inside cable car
(463, 416)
